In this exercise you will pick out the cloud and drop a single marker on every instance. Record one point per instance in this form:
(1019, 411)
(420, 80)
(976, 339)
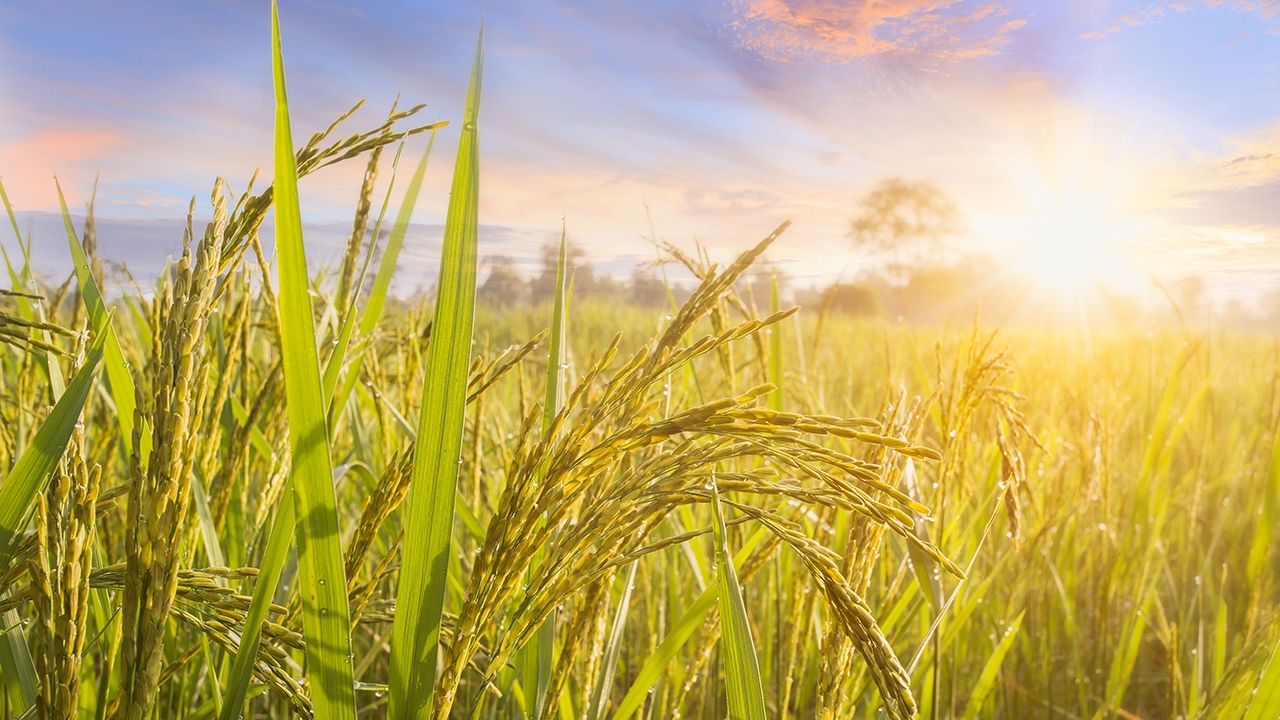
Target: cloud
(1157, 11)
(837, 31)
(69, 150)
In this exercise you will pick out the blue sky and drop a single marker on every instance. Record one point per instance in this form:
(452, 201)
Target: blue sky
(1150, 129)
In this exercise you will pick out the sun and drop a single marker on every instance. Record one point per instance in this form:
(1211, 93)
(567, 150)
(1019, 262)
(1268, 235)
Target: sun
(1067, 248)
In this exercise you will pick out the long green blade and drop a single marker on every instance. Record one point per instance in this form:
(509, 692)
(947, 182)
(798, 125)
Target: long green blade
(1266, 695)
(991, 671)
(118, 377)
(268, 575)
(679, 635)
(19, 669)
(537, 658)
(387, 266)
(415, 636)
(382, 281)
(741, 668)
(558, 358)
(338, 357)
(321, 576)
(41, 456)
(609, 666)
(1266, 521)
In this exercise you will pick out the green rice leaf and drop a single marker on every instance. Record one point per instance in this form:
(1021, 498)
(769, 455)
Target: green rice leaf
(263, 591)
(429, 516)
(41, 456)
(558, 357)
(741, 668)
(1220, 633)
(1266, 694)
(925, 567)
(338, 357)
(387, 266)
(19, 670)
(208, 531)
(1125, 656)
(537, 658)
(680, 633)
(1262, 536)
(991, 671)
(609, 664)
(382, 281)
(322, 579)
(118, 377)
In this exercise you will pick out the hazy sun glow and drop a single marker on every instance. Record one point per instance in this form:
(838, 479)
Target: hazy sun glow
(1066, 248)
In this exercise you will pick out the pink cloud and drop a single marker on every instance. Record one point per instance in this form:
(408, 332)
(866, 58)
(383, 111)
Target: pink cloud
(29, 163)
(840, 31)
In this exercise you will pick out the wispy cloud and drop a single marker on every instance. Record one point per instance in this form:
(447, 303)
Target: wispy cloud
(840, 31)
(1157, 11)
(67, 149)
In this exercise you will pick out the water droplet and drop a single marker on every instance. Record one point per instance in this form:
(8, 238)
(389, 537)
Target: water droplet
(321, 581)
(469, 126)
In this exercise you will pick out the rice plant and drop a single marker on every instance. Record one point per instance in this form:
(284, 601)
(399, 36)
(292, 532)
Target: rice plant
(215, 501)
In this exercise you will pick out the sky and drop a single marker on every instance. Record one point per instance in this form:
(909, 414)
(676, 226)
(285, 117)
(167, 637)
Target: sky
(1118, 138)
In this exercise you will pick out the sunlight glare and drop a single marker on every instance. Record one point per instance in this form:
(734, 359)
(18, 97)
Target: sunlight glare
(1066, 248)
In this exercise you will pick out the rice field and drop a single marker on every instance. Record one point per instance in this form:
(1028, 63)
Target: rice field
(256, 491)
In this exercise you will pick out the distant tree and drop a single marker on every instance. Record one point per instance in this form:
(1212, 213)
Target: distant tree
(859, 299)
(928, 290)
(1188, 294)
(904, 222)
(647, 290)
(543, 287)
(1269, 307)
(504, 286)
(758, 283)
